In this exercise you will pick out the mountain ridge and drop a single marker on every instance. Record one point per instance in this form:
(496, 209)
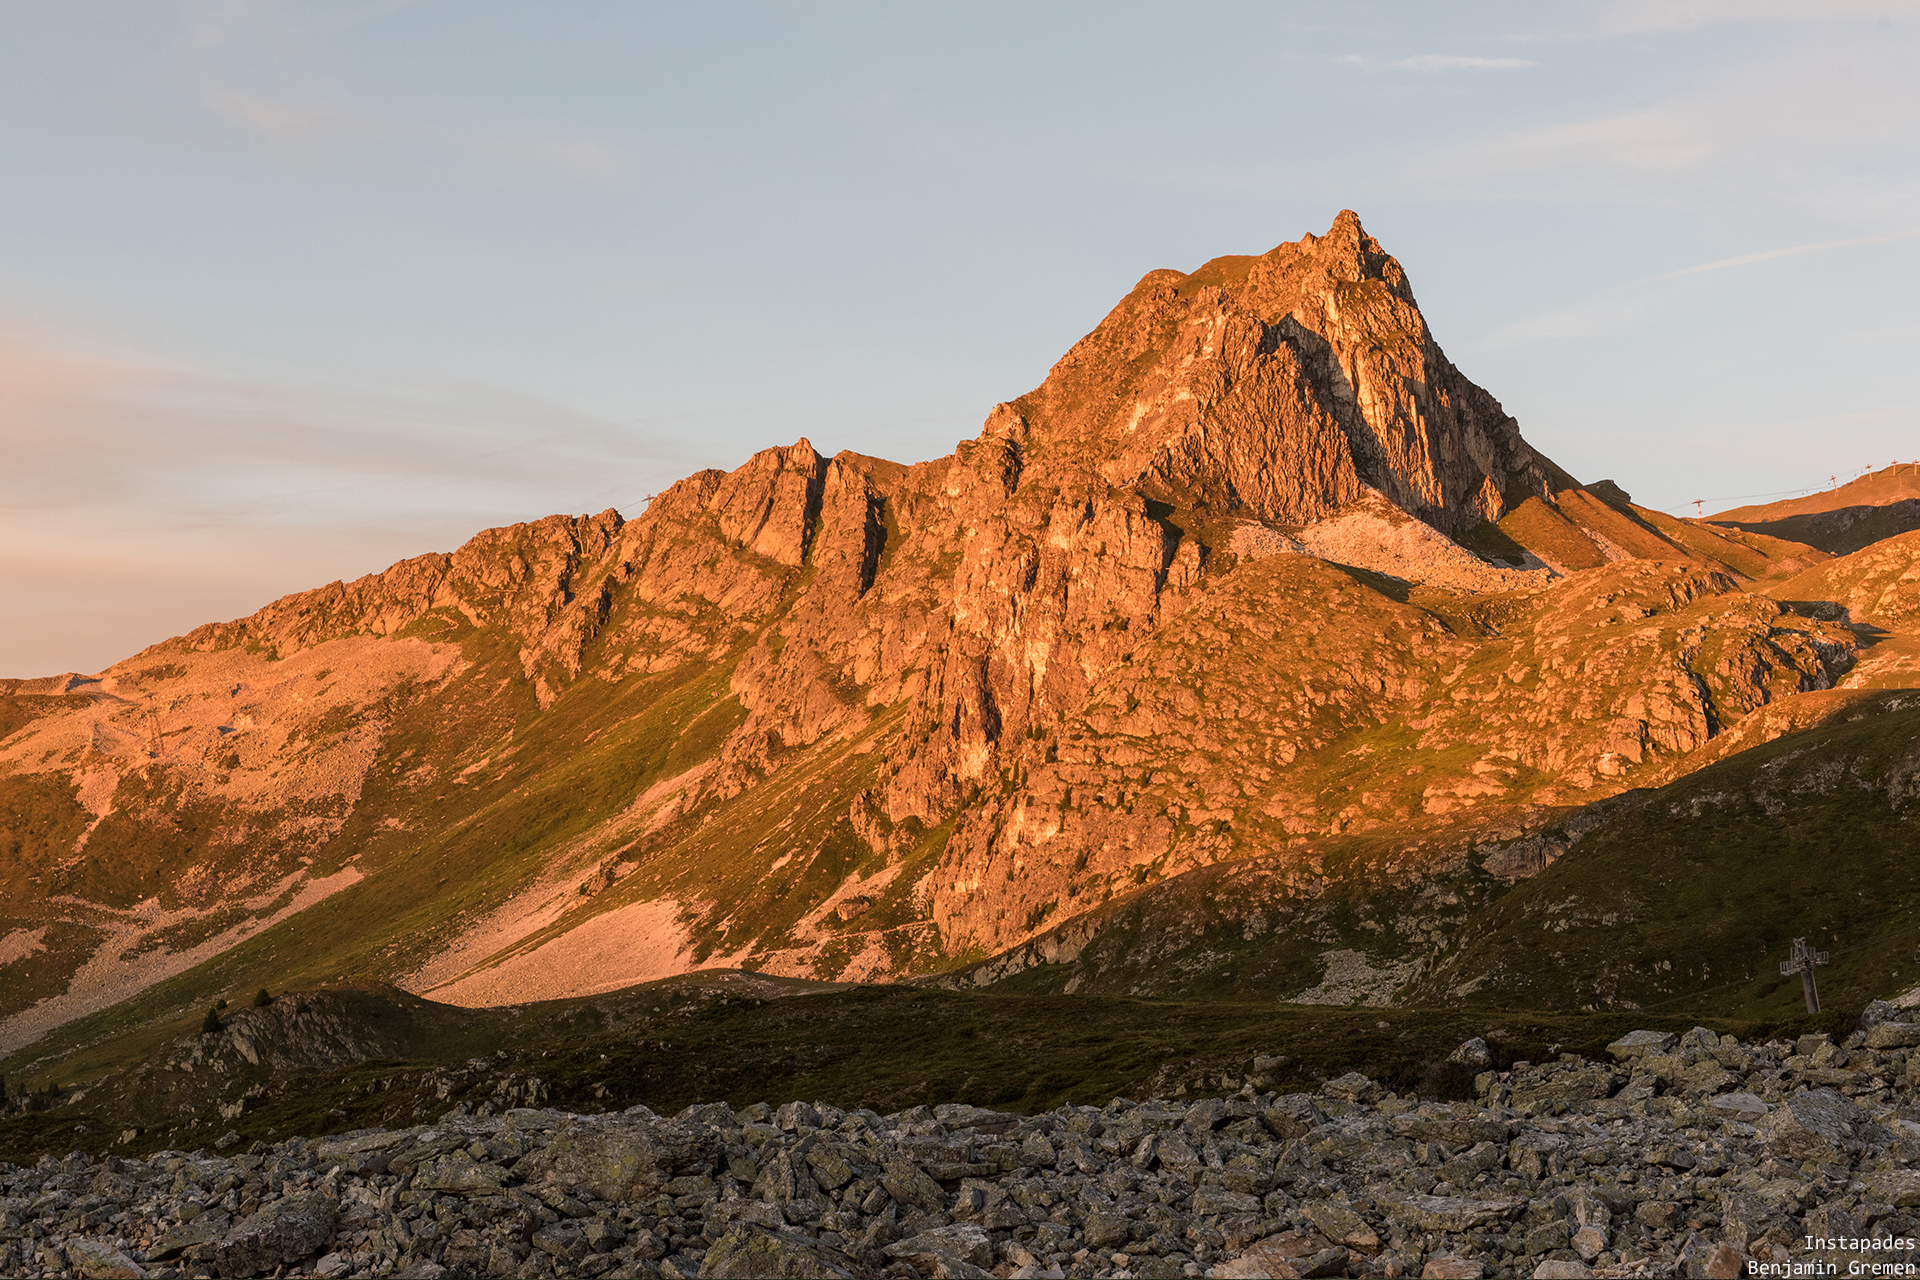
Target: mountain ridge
(1255, 571)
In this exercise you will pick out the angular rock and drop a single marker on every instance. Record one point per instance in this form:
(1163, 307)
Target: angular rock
(95, 1260)
(1105, 1229)
(1565, 1085)
(1557, 1269)
(1706, 1261)
(563, 1239)
(1815, 1125)
(1897, 1187)
(1449, 1267)
(460, 1173)
(618, 1159)
(1893, 1035)
(830, 1168)
(1877, 1012)
(183, 1237)
(287, 1231)
(749, 1252)
(1446, 1213)
(1453, 1129)
(909, 1185)
(1638, 1044)
(963, 1241)
(1351, 1087)
(1325, 1262)
(1211, 1202)
(1340, 1224)
(1474, 1053)
(1744, 1107)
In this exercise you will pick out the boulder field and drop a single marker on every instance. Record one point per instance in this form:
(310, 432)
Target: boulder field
(1695, 1155)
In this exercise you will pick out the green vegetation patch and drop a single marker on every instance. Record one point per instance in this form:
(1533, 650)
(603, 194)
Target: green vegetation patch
(1691, 895)
(44, 973)
(40, 819)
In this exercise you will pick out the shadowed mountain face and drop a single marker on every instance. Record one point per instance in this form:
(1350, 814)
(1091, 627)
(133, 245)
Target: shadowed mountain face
(1255, 577)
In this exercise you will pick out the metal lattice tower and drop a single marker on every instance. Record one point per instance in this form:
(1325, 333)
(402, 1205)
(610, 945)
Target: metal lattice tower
(1803, 962)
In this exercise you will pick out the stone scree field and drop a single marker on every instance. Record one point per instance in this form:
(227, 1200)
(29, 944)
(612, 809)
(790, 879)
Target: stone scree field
(1689, 1155)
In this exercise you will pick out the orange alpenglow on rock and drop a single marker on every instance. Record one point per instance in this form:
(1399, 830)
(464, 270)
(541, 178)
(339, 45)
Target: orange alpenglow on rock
(1254, 569)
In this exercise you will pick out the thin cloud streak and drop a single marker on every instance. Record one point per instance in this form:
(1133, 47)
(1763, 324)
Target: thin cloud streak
(96, 432)
(1614, 19)
(1587, 320)
(1773, 255)
(1432, 63)
(335, 133)
(1812, 132)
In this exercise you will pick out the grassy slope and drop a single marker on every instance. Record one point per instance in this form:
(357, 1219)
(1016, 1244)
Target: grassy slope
(464, 849)
(1842, 520)
(1256, 929)
(1704, 882)
(1889, 484)
(545, 789)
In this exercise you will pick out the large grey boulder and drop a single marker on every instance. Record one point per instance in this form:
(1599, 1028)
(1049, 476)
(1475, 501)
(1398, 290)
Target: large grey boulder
(909, 1185)
(1638, 1044)
(1815, 1125)
(619, 1159)
(96, 1260)
(1877, 1012)
(1744, 1107)
(1893, 1035)
(1474, 1053)
(957, 1250)
(287, 1231)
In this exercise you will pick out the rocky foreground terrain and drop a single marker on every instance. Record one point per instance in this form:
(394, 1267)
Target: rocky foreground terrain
(1683, 1155)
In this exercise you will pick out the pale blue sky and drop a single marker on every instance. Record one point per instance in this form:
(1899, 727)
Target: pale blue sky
(290, 291)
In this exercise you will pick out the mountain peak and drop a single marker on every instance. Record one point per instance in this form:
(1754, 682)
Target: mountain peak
(1275, 387)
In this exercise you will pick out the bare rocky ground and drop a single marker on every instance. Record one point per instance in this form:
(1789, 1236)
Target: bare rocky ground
(1695, 1155)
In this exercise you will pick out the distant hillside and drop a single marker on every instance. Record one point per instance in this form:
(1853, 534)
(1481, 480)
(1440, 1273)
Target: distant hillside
(1842, 519)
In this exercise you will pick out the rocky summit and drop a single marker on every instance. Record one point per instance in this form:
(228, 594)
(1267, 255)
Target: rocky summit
(1694, 1155)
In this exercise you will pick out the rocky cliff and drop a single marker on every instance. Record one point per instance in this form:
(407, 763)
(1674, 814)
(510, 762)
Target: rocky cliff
(1254, 570)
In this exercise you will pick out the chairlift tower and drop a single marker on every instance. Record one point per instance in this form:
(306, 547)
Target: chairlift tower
(1803, 962)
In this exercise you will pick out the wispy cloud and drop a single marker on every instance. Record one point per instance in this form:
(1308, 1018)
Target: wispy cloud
(85, 430)
(1431, 63)
(1656, 140)
(1584, 320)
(1818, 128)
(315, 130)
(1792, 251)
(250, 76)
(1609, 19)
(140, 499)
